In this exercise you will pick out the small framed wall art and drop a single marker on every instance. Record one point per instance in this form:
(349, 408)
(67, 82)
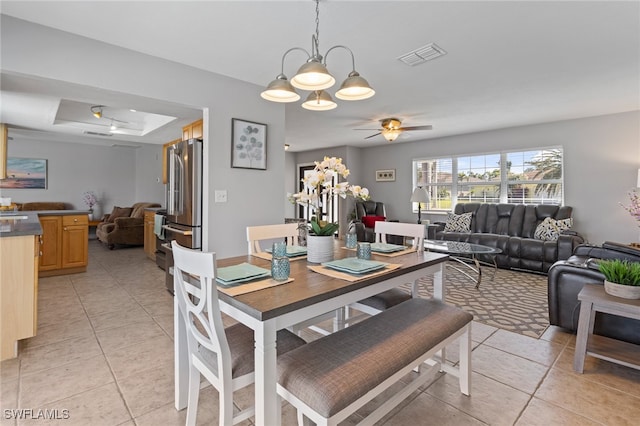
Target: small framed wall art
(386, 175)
(248, 144)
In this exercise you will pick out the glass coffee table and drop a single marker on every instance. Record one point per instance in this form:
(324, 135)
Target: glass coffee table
(465, 254)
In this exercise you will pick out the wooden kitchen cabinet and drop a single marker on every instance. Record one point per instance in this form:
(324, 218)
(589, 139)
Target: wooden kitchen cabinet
(19, 291)
(192, 131)
(75, 241)
(65, 244)
(51, 258)
(149, 235)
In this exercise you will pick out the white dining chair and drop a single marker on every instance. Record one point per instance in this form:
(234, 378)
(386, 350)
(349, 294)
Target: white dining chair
(256, 234)
(375, 304)
(278, 232)
(225, 357)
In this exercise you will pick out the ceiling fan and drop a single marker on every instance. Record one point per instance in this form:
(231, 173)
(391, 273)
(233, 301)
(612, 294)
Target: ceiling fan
(391, 129)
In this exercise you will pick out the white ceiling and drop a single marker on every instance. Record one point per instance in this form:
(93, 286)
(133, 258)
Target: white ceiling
(507, 63)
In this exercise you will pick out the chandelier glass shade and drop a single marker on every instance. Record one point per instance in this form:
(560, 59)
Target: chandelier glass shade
(280, 90)
(314, 76)
(355, 88)
(319, 101)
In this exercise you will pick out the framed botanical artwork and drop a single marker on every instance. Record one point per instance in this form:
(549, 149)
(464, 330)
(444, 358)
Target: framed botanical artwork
(248, 144)
(25, 173)
(386, 175)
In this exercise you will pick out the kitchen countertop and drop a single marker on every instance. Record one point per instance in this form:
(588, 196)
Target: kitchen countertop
(58, 212)
(21, 226)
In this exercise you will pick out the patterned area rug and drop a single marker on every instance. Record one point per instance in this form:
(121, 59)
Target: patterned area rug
(514, 301)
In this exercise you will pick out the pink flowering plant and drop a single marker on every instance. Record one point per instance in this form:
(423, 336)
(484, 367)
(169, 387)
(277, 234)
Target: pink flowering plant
(321, 182)
(634, 207)
(90, 199)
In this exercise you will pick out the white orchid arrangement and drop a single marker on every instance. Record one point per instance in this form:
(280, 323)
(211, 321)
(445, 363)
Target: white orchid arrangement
(319, 184)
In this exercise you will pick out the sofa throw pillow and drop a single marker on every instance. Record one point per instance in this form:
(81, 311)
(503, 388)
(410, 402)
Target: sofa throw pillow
(458, 222)
(370, 221)
(119, 212)
(550, 228)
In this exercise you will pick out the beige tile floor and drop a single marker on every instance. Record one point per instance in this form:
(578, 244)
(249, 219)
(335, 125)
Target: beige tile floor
(104, 352)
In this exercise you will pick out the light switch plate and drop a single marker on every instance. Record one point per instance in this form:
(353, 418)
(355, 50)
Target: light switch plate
(220, 196)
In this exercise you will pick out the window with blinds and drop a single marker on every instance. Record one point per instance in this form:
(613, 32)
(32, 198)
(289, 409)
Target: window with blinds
(521, 177)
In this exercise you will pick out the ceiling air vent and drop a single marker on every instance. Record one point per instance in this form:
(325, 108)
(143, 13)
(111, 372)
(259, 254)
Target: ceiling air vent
(422, 54)
(120, 145)
(88, 132)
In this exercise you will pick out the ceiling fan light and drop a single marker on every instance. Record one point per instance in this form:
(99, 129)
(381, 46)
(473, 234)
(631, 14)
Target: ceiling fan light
(391, 134)
(313, 76)
(319, 101)
(390, 123)
(355, 88)
(280, 90)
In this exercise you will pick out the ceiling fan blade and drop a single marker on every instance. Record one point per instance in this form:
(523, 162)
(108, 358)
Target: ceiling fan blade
(369, 137)
(367, 129)
(426, 127)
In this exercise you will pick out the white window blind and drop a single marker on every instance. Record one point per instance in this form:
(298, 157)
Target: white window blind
(534, 176)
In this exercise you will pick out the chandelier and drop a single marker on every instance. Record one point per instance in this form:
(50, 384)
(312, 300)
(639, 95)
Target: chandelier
(314, 76)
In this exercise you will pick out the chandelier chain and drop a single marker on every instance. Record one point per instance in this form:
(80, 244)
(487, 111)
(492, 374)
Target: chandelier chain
(317, 19)
(317, 46)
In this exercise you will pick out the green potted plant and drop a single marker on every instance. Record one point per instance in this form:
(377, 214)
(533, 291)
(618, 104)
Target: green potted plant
(622, 278)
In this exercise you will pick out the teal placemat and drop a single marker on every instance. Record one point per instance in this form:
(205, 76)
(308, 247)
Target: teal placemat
(239, 273)
(354, 265)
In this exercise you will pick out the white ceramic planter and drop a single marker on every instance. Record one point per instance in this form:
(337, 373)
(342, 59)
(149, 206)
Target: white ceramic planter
(319, 248)
(624, 291)
(97, 212)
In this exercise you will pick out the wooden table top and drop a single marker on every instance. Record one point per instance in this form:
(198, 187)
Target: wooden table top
(311, 287)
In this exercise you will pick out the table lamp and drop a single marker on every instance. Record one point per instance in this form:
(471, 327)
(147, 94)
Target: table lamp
(419, 196)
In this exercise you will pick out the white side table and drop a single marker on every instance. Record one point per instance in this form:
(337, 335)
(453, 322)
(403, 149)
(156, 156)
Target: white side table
(594, 299)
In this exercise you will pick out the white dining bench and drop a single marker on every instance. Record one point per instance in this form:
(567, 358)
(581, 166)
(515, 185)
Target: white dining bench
(329, 379)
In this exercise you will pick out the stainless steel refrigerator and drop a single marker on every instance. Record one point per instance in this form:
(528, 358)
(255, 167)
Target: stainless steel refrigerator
(184, 193)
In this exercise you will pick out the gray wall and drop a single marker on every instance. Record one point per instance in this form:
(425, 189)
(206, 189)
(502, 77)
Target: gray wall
(73, 169)
(57, 55)
(601, 162)
(290, 182)
(148, 183)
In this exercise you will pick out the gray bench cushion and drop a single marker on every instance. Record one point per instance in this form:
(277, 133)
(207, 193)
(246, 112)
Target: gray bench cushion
(387, 299)
(332, 372)
(241, 344)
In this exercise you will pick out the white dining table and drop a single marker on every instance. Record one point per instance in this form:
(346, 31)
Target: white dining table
(309, 295)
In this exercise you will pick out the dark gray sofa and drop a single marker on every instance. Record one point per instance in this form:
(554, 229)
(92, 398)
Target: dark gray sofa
(567, 277)
(511, 228)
